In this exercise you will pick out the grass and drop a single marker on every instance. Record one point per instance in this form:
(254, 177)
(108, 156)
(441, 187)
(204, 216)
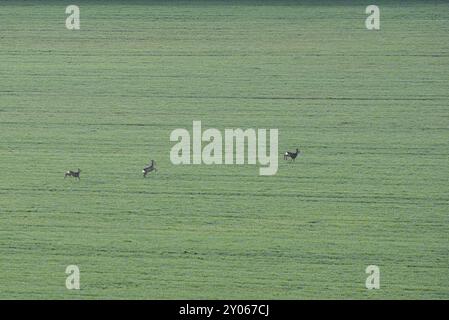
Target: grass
(369, 110)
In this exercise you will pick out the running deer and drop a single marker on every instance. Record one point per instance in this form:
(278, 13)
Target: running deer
(149, 168)
(291, 155)
(75, 174)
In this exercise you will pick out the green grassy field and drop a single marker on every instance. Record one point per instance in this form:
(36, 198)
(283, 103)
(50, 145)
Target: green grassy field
(369, 109)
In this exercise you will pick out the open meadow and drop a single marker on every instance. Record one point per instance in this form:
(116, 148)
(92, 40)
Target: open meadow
(368, 109)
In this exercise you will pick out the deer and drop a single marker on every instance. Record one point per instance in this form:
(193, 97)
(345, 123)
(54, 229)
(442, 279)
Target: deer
(75, 174)
(147, 169)
(291, 155)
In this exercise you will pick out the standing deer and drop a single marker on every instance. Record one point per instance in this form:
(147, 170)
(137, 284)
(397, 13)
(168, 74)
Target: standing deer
(75, 174)
(291, 155)
(149, 168)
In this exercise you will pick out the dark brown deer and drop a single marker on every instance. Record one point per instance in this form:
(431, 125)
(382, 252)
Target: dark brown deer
(291, 155)
(75, 174)
(149, 168)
